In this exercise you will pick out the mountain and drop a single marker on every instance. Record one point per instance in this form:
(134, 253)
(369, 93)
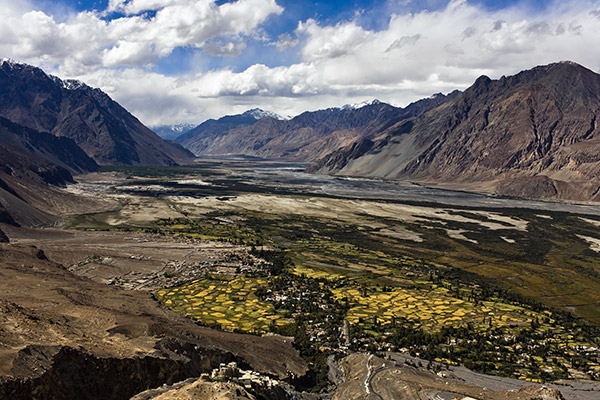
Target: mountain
(23, 177)
(198, 140)
(306, 137)
(173, 131)
(32, 165)
(100, 126)
(60, 151)
(535, 134)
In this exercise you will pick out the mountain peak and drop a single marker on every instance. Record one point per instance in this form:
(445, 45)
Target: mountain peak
(362, 104)
(258, 113)
(101, 127)
(9, 61)
(69, 84)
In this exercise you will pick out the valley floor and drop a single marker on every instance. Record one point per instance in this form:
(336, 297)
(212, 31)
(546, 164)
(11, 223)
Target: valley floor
(501, 288)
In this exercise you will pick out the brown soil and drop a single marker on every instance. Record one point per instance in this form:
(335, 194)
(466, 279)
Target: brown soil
(370, 377)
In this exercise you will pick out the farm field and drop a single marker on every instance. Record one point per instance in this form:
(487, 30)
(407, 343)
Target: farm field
(230, 304)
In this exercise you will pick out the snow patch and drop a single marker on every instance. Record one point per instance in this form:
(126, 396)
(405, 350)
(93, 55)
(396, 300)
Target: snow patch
(258, 113)
(362, 104)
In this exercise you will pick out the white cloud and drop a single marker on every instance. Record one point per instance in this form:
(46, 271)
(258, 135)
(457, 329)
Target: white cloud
(218, 49)
(285, 42)
(419, 53)
(129, 7)
(134, 39)
(332, 41)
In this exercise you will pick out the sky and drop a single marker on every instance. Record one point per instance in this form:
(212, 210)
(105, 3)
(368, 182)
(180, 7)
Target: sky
(184, 61)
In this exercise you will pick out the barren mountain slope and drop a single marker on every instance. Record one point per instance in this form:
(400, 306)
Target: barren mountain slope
(68, 337)
(307, 137)
(535, 134)
(101, 127)
(61, 151)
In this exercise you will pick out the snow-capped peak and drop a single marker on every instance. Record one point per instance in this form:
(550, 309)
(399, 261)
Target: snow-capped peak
(9, 61)
(69, 84)
(362, 104)
(73, 84)
(258, 113)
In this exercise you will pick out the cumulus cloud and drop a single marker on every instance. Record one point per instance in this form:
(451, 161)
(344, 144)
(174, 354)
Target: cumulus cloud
(137, 38)
(219, 49)
(424, 52)
(285, 42)
(403, 41)
(332, 41)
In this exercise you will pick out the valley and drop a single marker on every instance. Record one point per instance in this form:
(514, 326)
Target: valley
(504, 286)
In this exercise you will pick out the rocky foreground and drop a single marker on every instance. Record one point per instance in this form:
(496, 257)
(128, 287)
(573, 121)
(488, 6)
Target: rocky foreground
(69, 337)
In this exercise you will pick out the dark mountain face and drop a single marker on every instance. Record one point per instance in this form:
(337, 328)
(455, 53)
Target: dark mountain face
(198, 140)
(3, 237)
(61, 151)
(23, 176)
(307, 137)
(101, 127)
(535, 134)
(18, 163)
(31, 164)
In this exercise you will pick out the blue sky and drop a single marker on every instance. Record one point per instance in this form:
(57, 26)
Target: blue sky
(172, 61)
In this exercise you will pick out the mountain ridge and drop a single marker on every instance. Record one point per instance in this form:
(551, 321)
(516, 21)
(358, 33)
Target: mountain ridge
(100, 126)
(534, 134)
(306, 137)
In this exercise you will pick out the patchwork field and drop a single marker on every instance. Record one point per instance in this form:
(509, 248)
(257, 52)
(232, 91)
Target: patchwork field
(230, 304)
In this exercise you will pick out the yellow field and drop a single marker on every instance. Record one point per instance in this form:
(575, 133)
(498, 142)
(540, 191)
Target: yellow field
(231, 304)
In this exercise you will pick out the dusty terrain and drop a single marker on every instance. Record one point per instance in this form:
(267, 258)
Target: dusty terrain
(63, 334)
(368, 377)
(140, 261)
(78, 304)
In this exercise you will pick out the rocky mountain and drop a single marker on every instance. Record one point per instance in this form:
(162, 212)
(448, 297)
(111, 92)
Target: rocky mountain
(198, 140)
(306, 137)
(60, 151)
(32, 165)
(100, 126)
(173, 131)
(535, 134)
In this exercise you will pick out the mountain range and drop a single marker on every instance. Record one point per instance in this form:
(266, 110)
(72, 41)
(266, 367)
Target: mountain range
(533, 135)
(101, 127)
(173, 131)
(306, 137)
